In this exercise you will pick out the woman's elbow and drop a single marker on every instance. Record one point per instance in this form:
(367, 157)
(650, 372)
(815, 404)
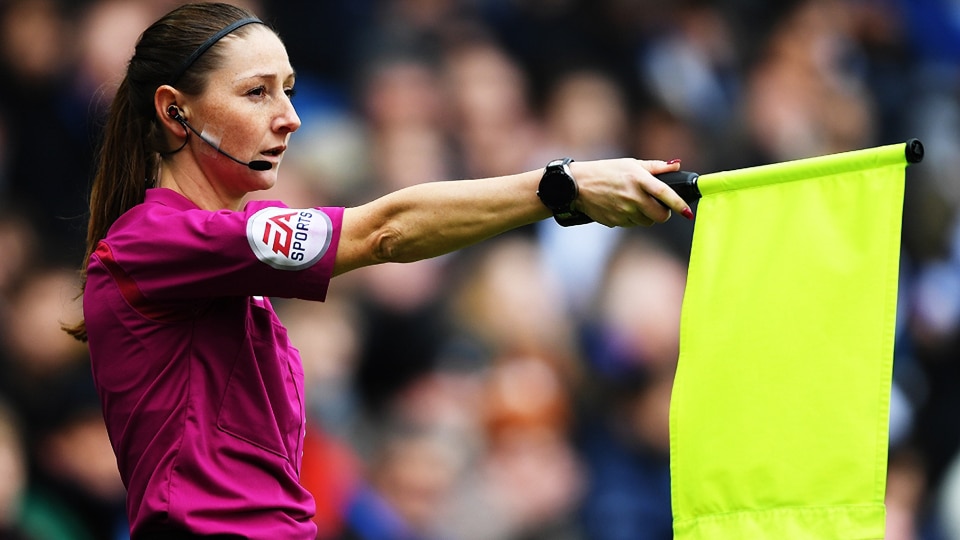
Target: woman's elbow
(391, 246)
(381, 247)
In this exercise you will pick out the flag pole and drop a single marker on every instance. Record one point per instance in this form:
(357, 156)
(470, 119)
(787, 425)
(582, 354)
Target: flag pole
(685, 182)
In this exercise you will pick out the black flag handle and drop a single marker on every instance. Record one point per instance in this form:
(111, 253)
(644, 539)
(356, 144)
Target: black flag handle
(684, 183)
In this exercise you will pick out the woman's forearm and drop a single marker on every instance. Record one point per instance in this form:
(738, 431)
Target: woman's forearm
(431, 219)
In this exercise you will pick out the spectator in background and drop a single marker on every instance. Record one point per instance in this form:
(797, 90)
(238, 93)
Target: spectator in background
(76, 485)
(801, 99)
(403, 106)
(692, 69)
(74, 491)
(632, 350)
(495, 290)
(411, 474)
(41, 363)
(523, 480)
(36, 54)
(13, 470)
(19, 242)
(490, 116)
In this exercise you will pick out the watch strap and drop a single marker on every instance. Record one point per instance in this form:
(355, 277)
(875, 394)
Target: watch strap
(572, 217)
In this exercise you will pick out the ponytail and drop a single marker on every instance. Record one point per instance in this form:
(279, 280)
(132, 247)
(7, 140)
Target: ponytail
(125, 165)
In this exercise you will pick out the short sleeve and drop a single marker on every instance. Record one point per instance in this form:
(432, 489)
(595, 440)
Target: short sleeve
(170, 250)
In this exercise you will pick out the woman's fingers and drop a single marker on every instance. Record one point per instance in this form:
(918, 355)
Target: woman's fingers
(663, 193)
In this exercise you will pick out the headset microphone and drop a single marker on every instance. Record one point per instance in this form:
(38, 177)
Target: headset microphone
(258, 165)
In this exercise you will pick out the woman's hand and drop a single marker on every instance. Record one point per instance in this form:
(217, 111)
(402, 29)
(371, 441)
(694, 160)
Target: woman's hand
(624, 193)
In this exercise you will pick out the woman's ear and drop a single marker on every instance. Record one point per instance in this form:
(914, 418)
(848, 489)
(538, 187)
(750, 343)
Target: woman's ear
(165, 102)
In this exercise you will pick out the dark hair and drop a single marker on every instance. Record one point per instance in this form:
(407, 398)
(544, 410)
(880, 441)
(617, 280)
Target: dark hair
(133, 140)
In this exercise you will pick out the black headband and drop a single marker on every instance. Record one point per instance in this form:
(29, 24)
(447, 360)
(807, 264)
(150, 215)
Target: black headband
(209, 43)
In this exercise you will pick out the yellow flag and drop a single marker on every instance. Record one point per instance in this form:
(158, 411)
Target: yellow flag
(779, 413)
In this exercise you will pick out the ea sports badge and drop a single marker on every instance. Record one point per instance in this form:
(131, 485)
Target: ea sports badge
(289, 238)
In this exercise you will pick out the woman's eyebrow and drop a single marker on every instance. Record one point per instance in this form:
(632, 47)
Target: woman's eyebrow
(268, 75)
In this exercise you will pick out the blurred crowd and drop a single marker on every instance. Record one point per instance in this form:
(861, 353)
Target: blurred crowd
(519, 389)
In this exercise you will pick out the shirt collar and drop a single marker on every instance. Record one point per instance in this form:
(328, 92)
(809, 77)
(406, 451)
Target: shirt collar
(169, 197)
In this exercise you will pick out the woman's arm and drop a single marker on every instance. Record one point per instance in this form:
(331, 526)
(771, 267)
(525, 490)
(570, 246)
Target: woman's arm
(431, 219)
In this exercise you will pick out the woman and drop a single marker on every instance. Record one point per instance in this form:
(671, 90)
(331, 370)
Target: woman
(202, 392)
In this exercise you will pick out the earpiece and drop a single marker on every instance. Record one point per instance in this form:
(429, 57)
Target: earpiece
(174, 112)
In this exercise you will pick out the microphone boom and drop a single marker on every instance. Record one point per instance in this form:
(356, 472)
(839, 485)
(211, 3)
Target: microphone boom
(256, 165)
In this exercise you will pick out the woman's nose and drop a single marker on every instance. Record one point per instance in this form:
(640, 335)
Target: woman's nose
(288, 121)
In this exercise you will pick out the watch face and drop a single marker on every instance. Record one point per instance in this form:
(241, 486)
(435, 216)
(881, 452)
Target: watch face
(557, 190)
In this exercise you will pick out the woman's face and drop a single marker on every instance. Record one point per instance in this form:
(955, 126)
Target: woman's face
(246, 110)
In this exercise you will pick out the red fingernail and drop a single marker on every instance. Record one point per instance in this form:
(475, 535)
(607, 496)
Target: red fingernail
(672, 161)
(687, 213)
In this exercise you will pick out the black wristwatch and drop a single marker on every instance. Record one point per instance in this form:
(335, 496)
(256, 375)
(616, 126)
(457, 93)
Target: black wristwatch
(558, 190)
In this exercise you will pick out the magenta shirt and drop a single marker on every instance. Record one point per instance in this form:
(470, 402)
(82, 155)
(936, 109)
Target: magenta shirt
(202, 392)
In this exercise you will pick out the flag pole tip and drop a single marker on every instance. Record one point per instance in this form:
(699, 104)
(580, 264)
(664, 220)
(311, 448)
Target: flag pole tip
(914, 151)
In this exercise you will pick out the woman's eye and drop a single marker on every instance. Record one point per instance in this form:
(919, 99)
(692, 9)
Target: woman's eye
(258, 91)
(290, 92)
